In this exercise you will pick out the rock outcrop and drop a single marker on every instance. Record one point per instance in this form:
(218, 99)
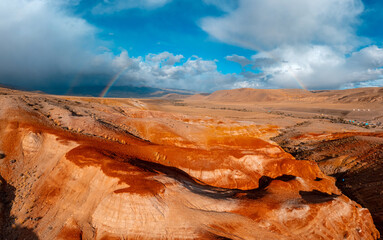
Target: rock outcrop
(355, 159)
(111, 169)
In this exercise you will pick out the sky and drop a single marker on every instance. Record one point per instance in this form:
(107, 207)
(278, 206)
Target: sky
(199, 45)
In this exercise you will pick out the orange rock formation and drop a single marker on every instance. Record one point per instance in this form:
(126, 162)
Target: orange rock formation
(111, 169)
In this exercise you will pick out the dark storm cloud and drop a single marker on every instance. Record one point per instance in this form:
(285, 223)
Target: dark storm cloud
(40, 40)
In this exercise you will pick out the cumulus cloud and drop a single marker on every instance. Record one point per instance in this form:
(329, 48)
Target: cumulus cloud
(164, 58)
(299, 43)
(314, 67)
(263, 25)
(161, 70)
(112, 6)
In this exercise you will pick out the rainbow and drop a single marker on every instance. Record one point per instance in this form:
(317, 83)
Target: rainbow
(299, 82)
(112, 81)
(73, 83)
(259, 49)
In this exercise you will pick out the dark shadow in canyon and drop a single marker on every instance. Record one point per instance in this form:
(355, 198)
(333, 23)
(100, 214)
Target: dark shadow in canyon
(216, 192)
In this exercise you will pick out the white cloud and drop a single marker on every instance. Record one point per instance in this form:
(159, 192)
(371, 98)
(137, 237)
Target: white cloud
(263, 25)
(369, 57)
(243, 61)
(164, 58)
(311, 66)
(315, 67)
(299, 43)
(112, 6)
(161, 70)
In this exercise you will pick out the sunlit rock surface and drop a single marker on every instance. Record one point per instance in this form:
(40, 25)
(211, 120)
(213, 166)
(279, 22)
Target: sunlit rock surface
(112, 169)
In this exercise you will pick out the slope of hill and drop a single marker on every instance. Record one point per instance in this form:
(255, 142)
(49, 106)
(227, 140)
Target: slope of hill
(253, 95)
(244, 95)
(357, 95)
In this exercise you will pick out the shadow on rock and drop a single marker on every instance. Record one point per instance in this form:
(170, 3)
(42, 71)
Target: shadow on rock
(9, 230)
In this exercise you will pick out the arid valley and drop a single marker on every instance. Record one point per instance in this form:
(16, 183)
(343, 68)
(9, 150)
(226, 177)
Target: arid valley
(234, 164)
(191, 119)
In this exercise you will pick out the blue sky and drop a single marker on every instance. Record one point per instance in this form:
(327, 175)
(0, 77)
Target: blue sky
(201, 45)
(173, 28)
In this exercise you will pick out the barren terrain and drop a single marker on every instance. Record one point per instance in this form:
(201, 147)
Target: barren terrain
(236, 164)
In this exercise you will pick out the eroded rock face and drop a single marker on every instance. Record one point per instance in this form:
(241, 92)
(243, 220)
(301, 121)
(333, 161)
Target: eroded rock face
(88, 169)
(355, 159)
